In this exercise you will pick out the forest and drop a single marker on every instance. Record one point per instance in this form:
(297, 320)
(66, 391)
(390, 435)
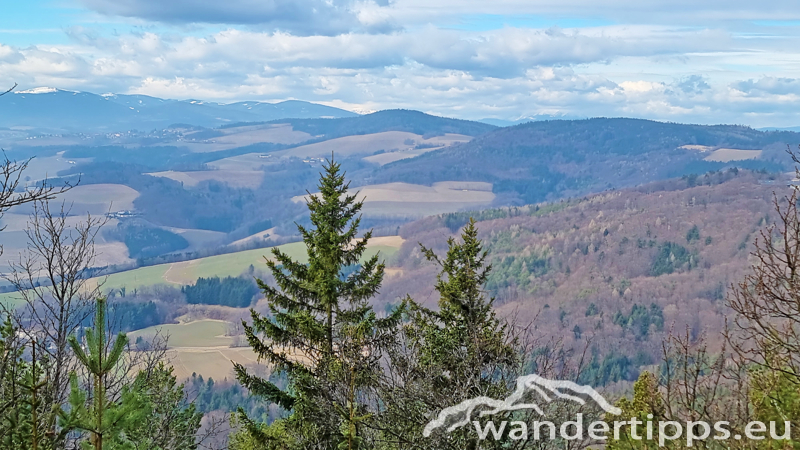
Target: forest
(338, 372)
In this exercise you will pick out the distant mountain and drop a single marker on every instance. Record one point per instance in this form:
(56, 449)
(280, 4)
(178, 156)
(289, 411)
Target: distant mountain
(56, 109)
(537, 161)
(389, 120)
(536, 118)
(795, 129)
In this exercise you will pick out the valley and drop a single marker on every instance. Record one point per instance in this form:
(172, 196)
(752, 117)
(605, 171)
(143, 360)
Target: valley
(601, 230)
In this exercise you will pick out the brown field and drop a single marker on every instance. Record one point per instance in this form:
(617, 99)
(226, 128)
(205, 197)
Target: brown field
(15, 241)
(40, 168)
(731, 154)
(199, 239)
(211, 362)
(96, 199)
(256, 237)
(247, 135)
(200, 347)
(249, 161)
(366, 144)
(404, 199)
(699, 148)
(236, 178)
(386, 158)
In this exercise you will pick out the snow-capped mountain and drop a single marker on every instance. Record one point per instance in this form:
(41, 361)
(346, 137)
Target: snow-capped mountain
(51, 108)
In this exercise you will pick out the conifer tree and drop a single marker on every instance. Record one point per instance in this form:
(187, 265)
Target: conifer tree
(458, 352)
(647, 406)
(172, 422)
(321, 333)
(26, 415)
(464, 335)
(103, 418)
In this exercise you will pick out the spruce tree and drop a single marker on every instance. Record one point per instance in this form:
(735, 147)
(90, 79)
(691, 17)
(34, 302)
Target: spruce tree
(458, 352)
(464, 335)
(321, 334)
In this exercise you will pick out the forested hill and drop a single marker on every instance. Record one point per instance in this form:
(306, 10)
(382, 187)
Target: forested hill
(390, 120)
(56, 109)
(543, 160)
(617, 271)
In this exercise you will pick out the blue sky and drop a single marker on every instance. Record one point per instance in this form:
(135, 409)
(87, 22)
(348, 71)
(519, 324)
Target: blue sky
(712, 61)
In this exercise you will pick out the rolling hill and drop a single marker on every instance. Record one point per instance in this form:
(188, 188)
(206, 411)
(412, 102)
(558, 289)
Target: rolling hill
(544, 160)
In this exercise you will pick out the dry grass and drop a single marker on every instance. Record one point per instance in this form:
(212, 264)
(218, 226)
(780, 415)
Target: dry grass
(367, 144)
(236, 178)
(247, 135)
(249, 161)
(386, 158)
(404, 199)
(732, 154)
(215, 362)
(96, 199)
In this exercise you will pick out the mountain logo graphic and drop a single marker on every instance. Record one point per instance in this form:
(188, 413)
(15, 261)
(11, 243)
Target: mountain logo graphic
(460, 415)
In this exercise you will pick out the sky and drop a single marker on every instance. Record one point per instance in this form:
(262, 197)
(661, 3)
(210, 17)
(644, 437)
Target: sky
(689, 61)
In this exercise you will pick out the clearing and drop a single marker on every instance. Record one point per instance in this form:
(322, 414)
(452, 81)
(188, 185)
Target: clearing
(698, 148)
(387, 141)
(732, 154)
(236, 178)
(201, 347)
(246, 135)
(416, 200)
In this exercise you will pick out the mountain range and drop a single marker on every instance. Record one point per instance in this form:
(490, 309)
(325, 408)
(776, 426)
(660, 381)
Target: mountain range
(57, 109)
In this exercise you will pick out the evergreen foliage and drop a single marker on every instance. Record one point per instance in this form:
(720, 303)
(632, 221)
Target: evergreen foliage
(321, 332)
(145, 242)
(672, 257)
(172, 422)
(228, 291)
(459, 352)
(105, 419)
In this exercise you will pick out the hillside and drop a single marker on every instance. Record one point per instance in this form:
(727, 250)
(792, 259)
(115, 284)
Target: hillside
(390, 120)
(544, 160)
(616, 271)
(199, 188)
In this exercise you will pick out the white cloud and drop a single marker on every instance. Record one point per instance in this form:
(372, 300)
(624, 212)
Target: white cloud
(667, 72)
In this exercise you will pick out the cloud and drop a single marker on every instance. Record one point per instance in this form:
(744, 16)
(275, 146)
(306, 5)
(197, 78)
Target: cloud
(693, 84)
(653, 71)
(769, 85)
(299, 17)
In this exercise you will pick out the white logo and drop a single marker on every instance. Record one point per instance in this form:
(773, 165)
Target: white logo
(525, 384)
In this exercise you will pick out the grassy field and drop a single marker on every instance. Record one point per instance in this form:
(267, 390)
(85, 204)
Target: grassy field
(415, 200)
(231, 264)
(235, 264)
(201, 333)
(199, 239)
